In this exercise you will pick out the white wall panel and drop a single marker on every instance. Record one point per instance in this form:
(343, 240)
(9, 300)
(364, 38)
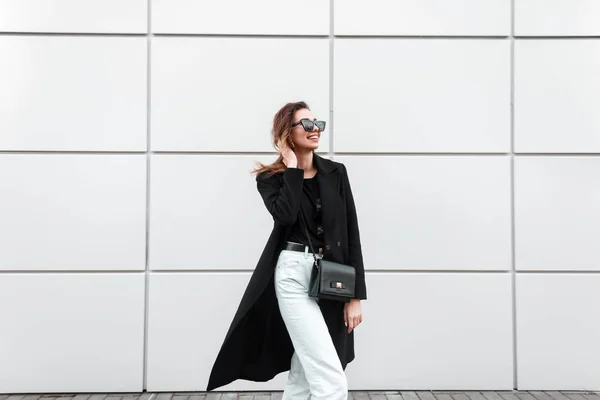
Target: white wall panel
(71, 333)
(73, 93)
(422, 17)
(235, 17)
(557, 331)
(557, 17)
(206, 213)
(89, 16)
(557, 94)
(396, 95)
(423, 212)
(434, 331)
(186, 330)
(72, 212)
(220, 94)
(557, 213)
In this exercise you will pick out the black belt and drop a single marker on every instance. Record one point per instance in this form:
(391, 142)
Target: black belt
(300, 248)
(294, 247)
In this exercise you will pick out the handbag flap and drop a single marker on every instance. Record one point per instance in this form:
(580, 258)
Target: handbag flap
(337, 278)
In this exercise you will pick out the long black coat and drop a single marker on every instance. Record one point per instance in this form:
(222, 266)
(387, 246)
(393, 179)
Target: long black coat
(257, 345)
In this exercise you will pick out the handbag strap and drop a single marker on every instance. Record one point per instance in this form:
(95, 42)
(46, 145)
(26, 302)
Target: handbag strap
(308, 236)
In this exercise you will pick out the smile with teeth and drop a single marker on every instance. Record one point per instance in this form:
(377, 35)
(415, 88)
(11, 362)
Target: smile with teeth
(313, 137)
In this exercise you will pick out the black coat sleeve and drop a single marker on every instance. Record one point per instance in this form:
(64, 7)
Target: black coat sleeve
(282, 196)
(354, 246)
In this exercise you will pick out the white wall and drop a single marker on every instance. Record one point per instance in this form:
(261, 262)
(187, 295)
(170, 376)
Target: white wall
(470, 130)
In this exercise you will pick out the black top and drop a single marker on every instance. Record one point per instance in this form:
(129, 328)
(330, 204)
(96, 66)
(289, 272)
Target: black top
(311, 207)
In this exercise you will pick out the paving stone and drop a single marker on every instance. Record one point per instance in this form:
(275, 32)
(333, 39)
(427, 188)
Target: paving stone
(555, 395)
(163, 396)
(574, 396)
(213, 396)
(426, 395)
(409, 395)
(393, 397)
(377, 396)
(508, 395)
(539, 395)
(442, 396)
(459, 396)
(360, 395)
(263, 397)
(475, 395)
(229, 396)
(491, 395)
(277, 396)
(592, 396)
(195, 397)
(86, 397)
(525, 396)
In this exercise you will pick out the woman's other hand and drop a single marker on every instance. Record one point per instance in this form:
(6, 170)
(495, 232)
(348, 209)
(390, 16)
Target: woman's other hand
(352, 314)
(289, 157)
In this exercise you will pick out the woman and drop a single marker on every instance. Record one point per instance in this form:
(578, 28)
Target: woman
(277, 327)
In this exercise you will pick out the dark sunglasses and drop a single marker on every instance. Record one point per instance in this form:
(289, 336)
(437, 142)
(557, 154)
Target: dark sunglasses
(309, 125)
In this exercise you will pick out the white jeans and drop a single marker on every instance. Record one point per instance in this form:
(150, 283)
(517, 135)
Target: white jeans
(316, 371)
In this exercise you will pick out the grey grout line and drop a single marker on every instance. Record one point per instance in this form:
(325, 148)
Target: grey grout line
(513, 275)
(240, 36)
(425, 37)
(519, 37)
(408, 271)
(331, 76)
(72, 152)
(267, 153)
(370, 271)
(148, 166)
(70, 271)
(301, 36)
(71, 34)
(409, 154)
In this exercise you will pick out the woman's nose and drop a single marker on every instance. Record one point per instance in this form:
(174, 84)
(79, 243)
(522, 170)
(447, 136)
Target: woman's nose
(316, 128)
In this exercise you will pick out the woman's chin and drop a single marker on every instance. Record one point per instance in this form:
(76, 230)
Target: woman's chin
(310, 147)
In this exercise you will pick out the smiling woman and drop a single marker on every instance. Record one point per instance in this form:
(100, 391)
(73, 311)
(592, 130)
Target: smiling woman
(278, 326)
(295, 129)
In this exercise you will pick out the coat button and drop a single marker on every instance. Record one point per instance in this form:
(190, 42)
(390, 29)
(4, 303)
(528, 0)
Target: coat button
(327, 247)
(338, 244)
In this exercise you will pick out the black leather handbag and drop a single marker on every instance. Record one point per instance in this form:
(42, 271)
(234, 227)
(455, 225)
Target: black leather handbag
(329, 280)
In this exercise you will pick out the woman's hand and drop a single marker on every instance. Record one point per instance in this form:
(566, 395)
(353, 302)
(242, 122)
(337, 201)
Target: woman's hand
(352, 314)
(289, 157)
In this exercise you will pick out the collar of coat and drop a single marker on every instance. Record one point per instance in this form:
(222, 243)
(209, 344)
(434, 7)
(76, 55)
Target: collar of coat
(324, 165)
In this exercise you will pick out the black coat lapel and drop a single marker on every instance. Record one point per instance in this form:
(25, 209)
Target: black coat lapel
(328, 178)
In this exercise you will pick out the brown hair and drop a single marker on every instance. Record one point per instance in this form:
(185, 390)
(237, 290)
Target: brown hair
(282, 128)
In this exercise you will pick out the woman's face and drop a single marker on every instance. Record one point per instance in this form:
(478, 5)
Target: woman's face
(302, 139)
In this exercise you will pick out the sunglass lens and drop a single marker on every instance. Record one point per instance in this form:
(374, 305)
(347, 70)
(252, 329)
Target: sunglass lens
(308, 125)
(320, 125)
